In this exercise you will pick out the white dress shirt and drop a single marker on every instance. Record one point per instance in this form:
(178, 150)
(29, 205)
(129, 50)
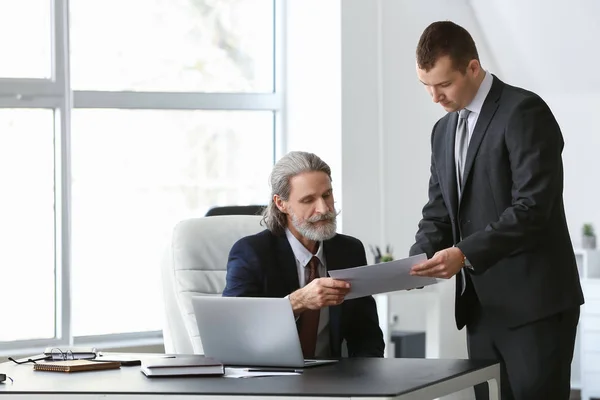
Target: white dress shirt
(303, 257)
(477, 103)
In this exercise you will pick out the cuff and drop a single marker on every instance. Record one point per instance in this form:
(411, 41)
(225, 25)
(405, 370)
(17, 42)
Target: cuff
(296, 317)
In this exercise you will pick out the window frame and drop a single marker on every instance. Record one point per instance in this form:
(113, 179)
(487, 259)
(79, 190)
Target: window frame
(56, 93)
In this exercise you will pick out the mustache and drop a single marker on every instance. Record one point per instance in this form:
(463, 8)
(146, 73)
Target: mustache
(328, 216)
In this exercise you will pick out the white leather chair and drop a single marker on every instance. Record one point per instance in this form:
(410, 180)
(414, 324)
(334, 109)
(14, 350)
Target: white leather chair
(195, 264)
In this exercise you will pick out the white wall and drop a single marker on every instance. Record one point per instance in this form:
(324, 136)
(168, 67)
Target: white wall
(387, 118)
(313, 83)
(551, 48)
(576, 114)
(380, 161)
(367, 115)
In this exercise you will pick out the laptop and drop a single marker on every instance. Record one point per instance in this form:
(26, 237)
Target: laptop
(250, 331)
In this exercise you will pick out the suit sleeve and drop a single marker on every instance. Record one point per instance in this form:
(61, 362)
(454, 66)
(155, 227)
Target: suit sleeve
(534, 144)
(435, 228)
(363, 335)
(243, 271)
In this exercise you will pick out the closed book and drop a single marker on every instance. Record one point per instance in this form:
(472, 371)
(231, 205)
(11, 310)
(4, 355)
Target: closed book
(182, 365)
(75, 366)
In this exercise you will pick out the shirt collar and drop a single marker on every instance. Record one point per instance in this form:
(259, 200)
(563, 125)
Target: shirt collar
(303, 256)
(477, 102)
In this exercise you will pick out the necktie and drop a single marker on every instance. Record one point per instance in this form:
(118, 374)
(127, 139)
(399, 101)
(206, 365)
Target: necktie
(461, 146)
(308, 323)
(460, 155)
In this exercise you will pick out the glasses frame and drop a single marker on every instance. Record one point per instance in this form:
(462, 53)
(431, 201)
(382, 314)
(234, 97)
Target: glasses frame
(56, 354)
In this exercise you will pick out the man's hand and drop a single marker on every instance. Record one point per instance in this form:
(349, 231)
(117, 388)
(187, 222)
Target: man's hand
(319, 293)
(444, 264)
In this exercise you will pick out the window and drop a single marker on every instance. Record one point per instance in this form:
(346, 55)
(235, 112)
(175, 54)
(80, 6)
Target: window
(168, 165)
(25, 39)
(173, 45)
(27, 215)
(113, 127)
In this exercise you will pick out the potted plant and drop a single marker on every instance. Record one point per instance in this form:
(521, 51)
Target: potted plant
(382, 257)
(388, 256)
(588, 238)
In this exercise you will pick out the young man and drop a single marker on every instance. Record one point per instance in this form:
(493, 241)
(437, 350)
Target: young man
(495, 218)
(292, 256)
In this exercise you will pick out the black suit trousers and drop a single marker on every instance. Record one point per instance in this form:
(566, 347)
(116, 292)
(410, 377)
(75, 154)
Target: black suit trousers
(535, 358)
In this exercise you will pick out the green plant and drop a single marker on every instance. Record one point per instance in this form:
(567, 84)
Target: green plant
(387, 257)
(588, 230)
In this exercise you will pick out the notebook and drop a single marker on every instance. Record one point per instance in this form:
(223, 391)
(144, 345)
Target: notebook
(182, 365)
(75, 365)
(250, 331)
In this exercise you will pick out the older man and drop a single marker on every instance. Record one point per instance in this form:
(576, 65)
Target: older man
(292, 256)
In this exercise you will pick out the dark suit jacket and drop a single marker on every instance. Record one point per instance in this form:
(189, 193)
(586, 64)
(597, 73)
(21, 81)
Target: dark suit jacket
(263, 265)
(510, 221)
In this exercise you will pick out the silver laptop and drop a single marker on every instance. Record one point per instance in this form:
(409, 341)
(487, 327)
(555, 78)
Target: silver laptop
(250, 331)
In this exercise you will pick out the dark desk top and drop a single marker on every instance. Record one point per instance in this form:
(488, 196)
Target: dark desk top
(350, 377)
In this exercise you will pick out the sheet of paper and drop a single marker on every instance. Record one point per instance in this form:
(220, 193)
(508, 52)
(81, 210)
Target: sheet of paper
(246, 373)
(383, 277)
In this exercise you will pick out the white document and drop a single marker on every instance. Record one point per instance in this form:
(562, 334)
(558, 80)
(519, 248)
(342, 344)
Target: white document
(256, 373)
(383, 277)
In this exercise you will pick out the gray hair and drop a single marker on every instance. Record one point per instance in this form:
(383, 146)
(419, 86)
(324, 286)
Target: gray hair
(292, 164)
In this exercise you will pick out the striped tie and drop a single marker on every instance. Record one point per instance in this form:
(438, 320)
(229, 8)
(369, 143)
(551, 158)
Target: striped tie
(461, 147)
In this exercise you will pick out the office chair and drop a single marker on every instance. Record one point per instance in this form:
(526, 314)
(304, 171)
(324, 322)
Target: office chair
(194, 264)
(235, 210)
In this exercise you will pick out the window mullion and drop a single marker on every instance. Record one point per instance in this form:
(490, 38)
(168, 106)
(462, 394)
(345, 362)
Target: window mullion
(60, 69)
(174, 101)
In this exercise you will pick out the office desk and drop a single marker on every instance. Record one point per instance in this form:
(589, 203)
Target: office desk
(365, 379)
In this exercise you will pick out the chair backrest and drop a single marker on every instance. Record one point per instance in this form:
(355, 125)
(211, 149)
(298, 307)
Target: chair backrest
(235, 210)
(195, 264)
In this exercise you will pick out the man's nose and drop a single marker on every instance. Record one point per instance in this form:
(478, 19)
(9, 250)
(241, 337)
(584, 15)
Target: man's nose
(322, 206)
(435, 95)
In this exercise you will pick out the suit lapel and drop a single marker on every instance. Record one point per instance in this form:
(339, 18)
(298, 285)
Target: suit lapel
(451, 185)
(287, 261)
(490, 105)
(333, 257)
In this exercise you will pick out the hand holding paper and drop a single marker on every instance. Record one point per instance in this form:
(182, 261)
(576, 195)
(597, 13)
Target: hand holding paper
(444, 264)
(383, 277)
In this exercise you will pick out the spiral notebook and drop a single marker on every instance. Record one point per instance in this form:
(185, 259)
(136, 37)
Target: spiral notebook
(75, 365)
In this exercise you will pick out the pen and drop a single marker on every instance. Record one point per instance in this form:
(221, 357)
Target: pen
(273, 370)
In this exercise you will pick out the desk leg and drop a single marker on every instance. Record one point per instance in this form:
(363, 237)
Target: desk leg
(494, 388)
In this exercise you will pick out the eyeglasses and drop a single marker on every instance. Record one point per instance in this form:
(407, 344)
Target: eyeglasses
(55, 355)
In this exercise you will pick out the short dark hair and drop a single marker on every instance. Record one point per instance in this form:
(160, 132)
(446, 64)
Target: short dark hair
(445, 38)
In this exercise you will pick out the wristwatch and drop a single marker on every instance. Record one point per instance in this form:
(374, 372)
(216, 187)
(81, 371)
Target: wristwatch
(467, 263)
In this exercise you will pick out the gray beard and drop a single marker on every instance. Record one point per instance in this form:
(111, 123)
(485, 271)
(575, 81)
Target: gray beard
(317, 233)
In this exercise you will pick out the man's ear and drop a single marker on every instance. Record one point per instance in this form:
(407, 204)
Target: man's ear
(280, 203)
(474, 67)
